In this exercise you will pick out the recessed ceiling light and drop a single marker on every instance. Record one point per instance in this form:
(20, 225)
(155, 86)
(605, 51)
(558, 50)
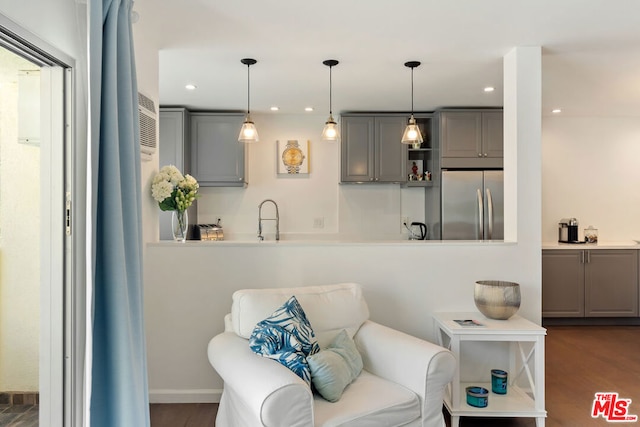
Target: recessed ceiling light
(489, 89)
(556, 111)
(274, 108)
(190, 87)
(308, 108)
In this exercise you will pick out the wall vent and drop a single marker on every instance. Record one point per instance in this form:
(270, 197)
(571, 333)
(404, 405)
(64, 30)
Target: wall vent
(148, 120)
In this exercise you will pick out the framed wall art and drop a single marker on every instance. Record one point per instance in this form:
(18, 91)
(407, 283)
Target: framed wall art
(293, 157)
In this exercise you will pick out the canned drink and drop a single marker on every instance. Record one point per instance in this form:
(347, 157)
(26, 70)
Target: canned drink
(477, 397)
(499, 381)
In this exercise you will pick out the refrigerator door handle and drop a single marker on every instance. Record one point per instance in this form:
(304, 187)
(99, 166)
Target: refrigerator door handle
(480, 214)
(490, 211)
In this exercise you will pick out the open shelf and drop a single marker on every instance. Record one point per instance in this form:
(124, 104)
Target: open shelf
(516, 403)
(418, 184)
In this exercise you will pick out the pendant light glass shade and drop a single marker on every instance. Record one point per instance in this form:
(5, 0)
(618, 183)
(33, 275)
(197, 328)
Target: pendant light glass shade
(330, 131)
(412, 134)
(248, 132)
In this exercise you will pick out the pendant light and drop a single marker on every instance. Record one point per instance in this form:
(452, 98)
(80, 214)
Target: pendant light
(330, 131)
(248, 133)
(412, 133)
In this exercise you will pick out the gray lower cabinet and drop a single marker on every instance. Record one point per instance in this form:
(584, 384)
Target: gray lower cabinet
(217, 158)
(562, 283)
(371, 149)
(175, 150)
(590, 283)
(471, 138)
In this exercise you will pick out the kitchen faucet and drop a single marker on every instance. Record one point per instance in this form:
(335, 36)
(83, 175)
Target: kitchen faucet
(260, 219)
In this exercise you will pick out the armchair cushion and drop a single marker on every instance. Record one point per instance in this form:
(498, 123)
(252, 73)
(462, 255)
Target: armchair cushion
(287, 337)
(335, 367)
(370, 401)
(329, 308)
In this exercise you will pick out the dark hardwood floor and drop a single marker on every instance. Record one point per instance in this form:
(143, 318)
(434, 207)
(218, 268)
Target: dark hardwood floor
(580, 361)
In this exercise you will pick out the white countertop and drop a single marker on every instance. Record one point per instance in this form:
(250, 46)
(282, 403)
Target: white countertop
(627, 244)
(284, 241)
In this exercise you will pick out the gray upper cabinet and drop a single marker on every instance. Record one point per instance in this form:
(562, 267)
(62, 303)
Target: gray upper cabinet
(471, 138)
(174, 138)
(590, 283)
(175, 150)
(371, 149)
(217, 158)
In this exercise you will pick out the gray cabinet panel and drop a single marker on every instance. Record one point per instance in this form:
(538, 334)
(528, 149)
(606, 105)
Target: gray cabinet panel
(218, 159)
(471, 139)
(590, 283)
(371, 149)
(174, 137)
(461, 134)
(492, 134)
(357, 161)
(562, 283)
(391, 154)
(611, 283)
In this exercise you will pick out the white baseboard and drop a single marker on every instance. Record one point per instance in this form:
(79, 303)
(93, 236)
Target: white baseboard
(185, 396)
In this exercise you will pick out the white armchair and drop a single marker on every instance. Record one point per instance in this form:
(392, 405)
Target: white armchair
(402, 383)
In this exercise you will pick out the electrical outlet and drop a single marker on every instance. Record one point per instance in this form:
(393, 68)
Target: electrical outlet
(318, 222)
(404, 220)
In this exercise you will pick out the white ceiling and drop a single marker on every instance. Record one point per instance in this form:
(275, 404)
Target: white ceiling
(591, 52)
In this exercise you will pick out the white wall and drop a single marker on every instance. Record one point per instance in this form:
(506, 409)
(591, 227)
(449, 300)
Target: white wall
(189, 288)
(361, 210)
(590, 171)
(147, 69)
(19, 239)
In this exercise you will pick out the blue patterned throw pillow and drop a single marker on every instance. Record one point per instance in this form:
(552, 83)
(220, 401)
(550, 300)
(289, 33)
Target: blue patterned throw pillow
(287, 337)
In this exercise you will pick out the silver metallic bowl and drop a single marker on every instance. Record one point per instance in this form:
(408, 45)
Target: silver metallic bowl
(496, 299)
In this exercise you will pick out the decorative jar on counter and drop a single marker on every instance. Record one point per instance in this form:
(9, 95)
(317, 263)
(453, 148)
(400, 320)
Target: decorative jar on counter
(591, 235)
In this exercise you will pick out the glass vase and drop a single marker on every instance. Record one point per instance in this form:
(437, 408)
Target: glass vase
(179, 225)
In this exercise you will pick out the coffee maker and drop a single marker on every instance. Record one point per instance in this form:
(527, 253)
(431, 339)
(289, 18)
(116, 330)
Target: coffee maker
(568, 230)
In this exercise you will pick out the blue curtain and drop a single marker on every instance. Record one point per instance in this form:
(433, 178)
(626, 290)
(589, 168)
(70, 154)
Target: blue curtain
(119, 394)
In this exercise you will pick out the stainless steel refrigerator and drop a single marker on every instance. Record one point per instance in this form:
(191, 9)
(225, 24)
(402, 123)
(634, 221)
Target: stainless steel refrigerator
(472, 205)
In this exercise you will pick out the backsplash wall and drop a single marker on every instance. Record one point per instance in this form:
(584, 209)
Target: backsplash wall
(590, 171)
(359, 211)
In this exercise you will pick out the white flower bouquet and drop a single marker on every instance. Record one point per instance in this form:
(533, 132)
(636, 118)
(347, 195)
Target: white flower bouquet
(172, 190)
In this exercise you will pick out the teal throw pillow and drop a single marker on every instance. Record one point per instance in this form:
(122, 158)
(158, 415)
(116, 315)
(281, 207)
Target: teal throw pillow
(287, 337)
(335, 367)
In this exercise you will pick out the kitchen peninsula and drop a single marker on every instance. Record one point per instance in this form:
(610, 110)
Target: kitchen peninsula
(189, 288)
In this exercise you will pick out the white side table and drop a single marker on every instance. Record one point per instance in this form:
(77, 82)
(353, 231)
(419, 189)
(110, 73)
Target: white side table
(526, 354)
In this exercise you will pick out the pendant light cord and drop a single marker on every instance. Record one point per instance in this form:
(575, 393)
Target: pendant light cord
(330, 86)
(412, 91)
(249, 88)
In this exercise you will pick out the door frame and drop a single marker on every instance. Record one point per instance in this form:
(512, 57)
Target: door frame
(62, 298)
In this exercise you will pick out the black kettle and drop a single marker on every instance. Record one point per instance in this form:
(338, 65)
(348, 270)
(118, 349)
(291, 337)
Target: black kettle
(417, 231)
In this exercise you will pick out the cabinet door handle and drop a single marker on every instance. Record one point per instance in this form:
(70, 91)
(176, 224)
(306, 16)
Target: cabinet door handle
(486, 155)
(582, 257)
(588, 256)
(479, 154)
